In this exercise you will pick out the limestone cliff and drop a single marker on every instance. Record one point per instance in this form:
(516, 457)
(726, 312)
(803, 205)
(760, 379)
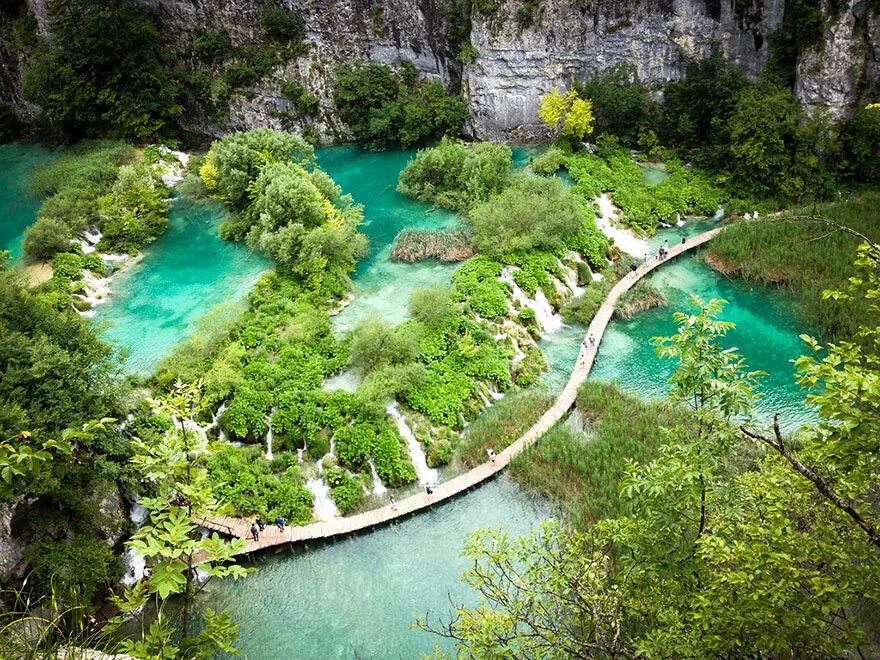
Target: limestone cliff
(516, 56)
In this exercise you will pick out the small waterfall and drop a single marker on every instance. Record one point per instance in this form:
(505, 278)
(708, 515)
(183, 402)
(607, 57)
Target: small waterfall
(299, 455)
(570, 277)
(624, 239)
(378, 486)
(547, 320)
(135, 566)
(719, 213)
(426, 475)
(518, 355)
(325, 507)
(270, 437)
(496, 395)
(97, 289)
(215, 423)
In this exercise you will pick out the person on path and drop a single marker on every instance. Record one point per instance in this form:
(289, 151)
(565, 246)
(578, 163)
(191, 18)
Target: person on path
(648, 254)
(429, 490)
(683, 239)
(592, 341)
(259, 522)
(393, 501)
(255, 532)
(280, 522)
(491, 454)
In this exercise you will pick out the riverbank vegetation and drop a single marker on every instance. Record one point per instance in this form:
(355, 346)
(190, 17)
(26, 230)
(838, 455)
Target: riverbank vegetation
(641, 297)
(447, 245)
(805, 255)
(723, 535)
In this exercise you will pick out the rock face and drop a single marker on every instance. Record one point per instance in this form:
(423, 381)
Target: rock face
(835, 72)
(514, 66)
(517, 56)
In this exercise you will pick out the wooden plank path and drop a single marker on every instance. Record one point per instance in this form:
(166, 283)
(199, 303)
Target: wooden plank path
(272, 536)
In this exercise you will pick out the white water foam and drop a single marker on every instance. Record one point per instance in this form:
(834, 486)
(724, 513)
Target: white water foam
(426, 476)
(547, 320)
(378, 486)
(624, 239)
(325, 507)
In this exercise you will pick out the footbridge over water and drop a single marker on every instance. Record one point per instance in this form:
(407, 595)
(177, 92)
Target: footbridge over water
(272, 536)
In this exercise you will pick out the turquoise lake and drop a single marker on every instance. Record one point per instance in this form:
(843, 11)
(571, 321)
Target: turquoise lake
(18, 207)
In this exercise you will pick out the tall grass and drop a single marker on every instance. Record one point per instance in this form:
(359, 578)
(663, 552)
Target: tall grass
(806, 256)
(582, 471)
(90, 165)
(641, 297)
(500, 425)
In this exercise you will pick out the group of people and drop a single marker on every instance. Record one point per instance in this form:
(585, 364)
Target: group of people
(258, 526)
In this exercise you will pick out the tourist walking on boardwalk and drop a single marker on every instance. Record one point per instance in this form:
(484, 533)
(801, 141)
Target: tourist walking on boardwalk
(491, 454)
(592, 341)
(393, 502)
(255, 532)
(280, 522)
(259, 523)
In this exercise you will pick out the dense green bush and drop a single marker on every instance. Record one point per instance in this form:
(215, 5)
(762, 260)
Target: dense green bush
(134, 212)
(528, 371)
(383, 105)
(533, 213)
(549, 162)
(104, 69)
(83, 564)
(251, 485)
(375, 343)
(431, 306)
(283, 24)
(46, 237)
(476, 284)
(345, 489)
(582, 309)
(457, 176)
(622, 106)
(304, 103)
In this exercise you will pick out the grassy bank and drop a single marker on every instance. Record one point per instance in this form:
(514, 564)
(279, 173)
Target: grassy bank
(582, 471)
(806, 256)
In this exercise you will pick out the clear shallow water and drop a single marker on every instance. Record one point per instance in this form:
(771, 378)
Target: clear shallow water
(357, 597)
(18, 208)
(766, 334)
(185, 273)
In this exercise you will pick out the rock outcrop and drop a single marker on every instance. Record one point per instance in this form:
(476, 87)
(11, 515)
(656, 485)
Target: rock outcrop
(516, 56)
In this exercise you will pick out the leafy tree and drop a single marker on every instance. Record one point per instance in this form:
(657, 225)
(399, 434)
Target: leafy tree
(103, 69)
(384, 105)
(621, 104)
(430, 306)
(174, 465)
(457, 176)
(134, 212)
(375, 344)
(860, 137)
(567, 115)
(534, 213)
(763, 131)
(698, 109)
(45, 238)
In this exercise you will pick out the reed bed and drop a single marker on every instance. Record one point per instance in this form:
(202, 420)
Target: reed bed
(582, 471)
(500, 425)
(447, 245)
(805, 256)
(643, 296)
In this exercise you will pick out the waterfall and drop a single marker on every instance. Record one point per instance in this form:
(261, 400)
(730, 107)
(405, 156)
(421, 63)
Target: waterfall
(215, 423)
(270, 437)
(299, 455)
(325, 507)
(569, 276)
(378, 486)
(135, 567)
(623, 238)
(496, 395)
(719, 213)
(518, 355)
(97, 289)
(426, 475)
(547, 320)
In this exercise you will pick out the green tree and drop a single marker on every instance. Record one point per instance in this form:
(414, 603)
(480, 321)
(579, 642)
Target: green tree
(175, 467)
(567, 115)
(103, 69)
(374, 344)
(621, 104)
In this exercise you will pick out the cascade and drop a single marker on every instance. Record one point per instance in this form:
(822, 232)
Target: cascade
(135, 565)
(215, 423)
(299, 455)
(270, 437)
(325, 507)
(378, 486)
(426, 475)
(719, 213)
(547, 320)
(569, 276)
(623, 238)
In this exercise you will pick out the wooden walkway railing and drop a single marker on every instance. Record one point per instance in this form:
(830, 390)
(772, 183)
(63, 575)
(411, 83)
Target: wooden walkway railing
(272, 536)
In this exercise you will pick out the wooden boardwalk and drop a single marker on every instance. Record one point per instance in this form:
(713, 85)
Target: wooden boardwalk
(272, 536)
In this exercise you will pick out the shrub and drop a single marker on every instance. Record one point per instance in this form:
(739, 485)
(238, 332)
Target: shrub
(528, 371)
(534, 213)
(583, 308)
(46, 237)
(345, 489)
(304, 103)
(549, 162)
(212, 45)
(622, 106)
(641, 297)
(431, 306)
(439, 453)
(134, 212)
(384, 105)
(282, 24)
(457, 176)
(374, 343)
(81, 564)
